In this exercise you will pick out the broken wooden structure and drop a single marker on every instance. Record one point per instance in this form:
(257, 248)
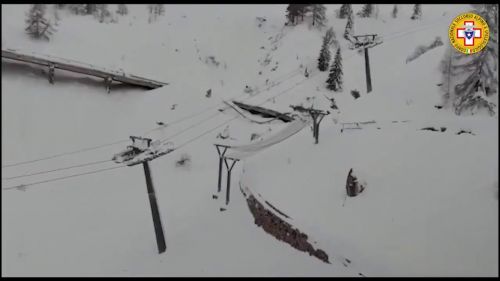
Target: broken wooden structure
(351, 125)
(53, 63)
(239, 152)
(264, 112)
(316, 115)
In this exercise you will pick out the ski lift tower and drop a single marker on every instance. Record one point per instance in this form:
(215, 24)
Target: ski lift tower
(142, 148)
(359, 42)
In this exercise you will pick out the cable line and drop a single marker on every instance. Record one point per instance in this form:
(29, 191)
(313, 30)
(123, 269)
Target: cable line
(22, 186)
(58, 169)
(387, 38)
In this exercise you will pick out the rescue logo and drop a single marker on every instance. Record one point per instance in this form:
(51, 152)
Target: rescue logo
(469, 33)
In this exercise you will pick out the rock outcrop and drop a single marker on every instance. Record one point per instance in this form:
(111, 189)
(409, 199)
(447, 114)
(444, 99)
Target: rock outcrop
(280, 229)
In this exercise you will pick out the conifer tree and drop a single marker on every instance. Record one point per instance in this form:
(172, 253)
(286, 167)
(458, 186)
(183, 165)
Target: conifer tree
(345, 11)
(318, 15)
(334, 81)
(395, 11)
(417, 12)
(122, 9)
(303, 9)
(295, 13)
(324, 54)
(159, 9)
(367, 11)
(78, 9)
(102, 12)
(470, 82)
(38, 26)
(155, 10)
(151, 10)
(292, 12)
(349, 28)
(331, 37)
(91, 8)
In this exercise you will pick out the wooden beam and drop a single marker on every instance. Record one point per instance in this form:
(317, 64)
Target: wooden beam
(264, 111)
(82, 68)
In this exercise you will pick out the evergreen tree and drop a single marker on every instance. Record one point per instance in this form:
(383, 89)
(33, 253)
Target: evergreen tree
(367, 11)
(395, 11)
(471, 81)
(318, 15)
(159, 9)
(102, 12)
(38, 26)
(334, 81)
(324, 54)
(295, 13)
(122, 9)
(345, 11)
(349, 28)
(303, 9)
(292, 12)
(417, 12)
(331, 37)
(91, 8)
(155, 10)
(152, 16)
(78, 9)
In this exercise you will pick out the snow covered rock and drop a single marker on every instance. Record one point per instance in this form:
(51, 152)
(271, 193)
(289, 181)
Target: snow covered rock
(224, 134)
(254, 136)
(354, 186)
(184, 161)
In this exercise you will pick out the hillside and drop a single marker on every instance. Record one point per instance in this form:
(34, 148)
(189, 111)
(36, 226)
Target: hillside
(430, 208)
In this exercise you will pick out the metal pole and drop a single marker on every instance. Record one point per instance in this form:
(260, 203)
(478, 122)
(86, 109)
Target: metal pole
(317, 129)
(229, 169)
(51, 73)
(108, 82)
(160, 238)
(228, 188)
(367, 69)
(221, 156)
(220, 174)
(314, 117)
(316, 133)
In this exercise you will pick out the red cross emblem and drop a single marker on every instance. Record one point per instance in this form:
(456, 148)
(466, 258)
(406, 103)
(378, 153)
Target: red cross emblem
(469, 33)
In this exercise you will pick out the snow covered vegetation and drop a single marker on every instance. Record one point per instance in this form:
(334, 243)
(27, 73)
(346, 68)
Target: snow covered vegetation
(250, 142)
(420, 50)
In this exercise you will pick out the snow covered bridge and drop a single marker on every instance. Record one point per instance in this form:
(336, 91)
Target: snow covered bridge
(78, 67)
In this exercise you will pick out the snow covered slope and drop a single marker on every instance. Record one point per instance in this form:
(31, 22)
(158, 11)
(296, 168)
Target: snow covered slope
(430, 208)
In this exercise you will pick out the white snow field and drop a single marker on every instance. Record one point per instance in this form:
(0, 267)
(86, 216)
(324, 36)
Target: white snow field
(431, 203)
